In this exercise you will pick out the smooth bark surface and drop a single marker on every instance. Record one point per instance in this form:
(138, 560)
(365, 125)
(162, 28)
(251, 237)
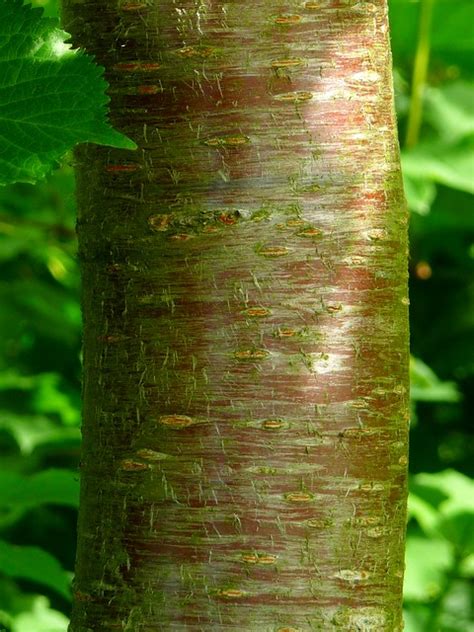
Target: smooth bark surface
(245, 312)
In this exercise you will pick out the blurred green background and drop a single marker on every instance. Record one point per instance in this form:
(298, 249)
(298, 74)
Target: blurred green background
(40, 363)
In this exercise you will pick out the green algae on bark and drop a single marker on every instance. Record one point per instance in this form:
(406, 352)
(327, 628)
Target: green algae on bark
(245, 321)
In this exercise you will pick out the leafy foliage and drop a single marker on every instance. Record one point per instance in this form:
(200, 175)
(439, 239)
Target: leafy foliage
(51, 97)
(439, 182)
(40, 354)
(427, 387)
(440, 550)
(39, 403)
(35, 564)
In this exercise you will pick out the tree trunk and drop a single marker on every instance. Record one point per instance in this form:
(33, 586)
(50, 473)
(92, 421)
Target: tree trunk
(245, 314)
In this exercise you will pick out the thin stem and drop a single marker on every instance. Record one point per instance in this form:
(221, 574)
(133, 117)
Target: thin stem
(419, 73)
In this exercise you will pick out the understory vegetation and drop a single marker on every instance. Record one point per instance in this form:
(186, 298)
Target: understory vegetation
(40, 354)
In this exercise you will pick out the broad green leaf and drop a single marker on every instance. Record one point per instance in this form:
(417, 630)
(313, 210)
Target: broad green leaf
(54, 486)
(426, 564)
(51, 97)
(33, 240)
(413, 618)
(443, 505)
(32, 300)
(31, 431)
(459, 530)
(467, 566)
(451, 165)
(41, 618)
(34, 564)
(430, 494)
(46, 394)
(25, 612)
(426, 516)
(427, 387)
(457, 488)
(420, 194)
(50, 7)
(452, 25)
(49, 398)
(449, 108)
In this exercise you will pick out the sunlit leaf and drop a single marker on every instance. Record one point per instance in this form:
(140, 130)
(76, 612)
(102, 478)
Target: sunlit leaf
(449, 108)
(424, 513)
(51, 97)
(426, 564)
(427, 387)
(419, 194)
(457, 488)
(413, 618)
(436, 161)
(46, 394)
(467, 566)
(41, 618)
(31, 431)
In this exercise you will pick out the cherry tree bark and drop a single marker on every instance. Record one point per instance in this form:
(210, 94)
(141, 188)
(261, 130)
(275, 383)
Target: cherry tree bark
(245, 321)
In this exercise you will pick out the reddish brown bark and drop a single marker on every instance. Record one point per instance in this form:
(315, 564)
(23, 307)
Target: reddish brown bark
(244, 273)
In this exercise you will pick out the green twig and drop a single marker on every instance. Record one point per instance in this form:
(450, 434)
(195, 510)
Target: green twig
(419, 73)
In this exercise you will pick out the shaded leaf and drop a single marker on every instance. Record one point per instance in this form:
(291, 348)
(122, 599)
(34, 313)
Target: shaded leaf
(451, 37)
(55, 486)
(459, 530)
(33, 564)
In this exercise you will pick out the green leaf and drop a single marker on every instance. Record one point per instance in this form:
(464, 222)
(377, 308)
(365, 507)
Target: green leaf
(420, 194)
(51, 97)
(427, 387)
(456, 491)
(31, 431)
(449, 109)
(443, 505)
(41, 618)
(423, 512)
(466, 568)
(454, 20)
(451, 165)
(459, 530)
(46, 394)
(413, 618)
(55, 486)
(426, 564)
(34, 564)
(30, 300)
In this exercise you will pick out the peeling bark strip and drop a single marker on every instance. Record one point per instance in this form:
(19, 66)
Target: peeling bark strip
(245, 307)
